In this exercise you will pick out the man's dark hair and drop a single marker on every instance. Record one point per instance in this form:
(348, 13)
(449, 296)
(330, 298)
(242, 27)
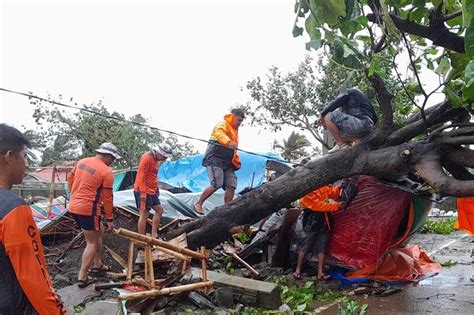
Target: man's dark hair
(11, 139)
(238, 112)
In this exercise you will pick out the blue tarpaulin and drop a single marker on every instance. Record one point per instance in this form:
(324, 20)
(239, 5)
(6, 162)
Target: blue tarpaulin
(189, 172)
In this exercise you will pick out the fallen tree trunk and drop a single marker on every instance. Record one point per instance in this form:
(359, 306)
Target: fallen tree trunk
(388, 162)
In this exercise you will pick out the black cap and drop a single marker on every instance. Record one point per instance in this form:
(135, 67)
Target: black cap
(238, 112)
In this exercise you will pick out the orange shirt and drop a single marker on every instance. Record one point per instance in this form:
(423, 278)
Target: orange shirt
(91, 184)
(147, 174)
(319, 199)
(20, 244)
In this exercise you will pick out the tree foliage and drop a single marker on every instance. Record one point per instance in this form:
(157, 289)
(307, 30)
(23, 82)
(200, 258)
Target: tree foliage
(294, 147)
(69, 136)
(296, 98)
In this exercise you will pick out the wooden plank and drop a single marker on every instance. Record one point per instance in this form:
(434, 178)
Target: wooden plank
(116, 257)
(268, 294)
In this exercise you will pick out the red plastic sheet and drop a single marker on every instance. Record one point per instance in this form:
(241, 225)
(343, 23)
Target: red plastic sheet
(400, 264)
(465, 215)
(362, 234)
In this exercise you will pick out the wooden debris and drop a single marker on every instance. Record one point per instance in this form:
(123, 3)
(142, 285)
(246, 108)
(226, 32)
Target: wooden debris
(116, 257)
(246, 291)
(228, 249)
(166, 291)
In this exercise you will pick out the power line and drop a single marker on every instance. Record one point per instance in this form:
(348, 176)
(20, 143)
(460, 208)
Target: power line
(30, 96)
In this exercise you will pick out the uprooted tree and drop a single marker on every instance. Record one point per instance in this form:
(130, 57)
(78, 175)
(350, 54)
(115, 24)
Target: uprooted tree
(435, 38)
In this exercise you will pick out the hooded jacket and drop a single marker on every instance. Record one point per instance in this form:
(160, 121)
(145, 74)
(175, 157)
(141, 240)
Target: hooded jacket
(218, 153)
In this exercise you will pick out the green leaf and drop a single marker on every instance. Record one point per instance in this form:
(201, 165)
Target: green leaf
(301, 307)
(469, 42)
(452, 97)
(297, 31)
(467, 12)
(443, 67)
(364, 38)
(312, 27)
(418, 14)
(468, 91)
(436, 3)
(315, 44)
(458, 64)
(328, 11)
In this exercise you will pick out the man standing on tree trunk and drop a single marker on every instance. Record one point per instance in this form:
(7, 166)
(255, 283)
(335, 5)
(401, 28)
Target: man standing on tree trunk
(221, 158)
(353, 121)
(146, 191)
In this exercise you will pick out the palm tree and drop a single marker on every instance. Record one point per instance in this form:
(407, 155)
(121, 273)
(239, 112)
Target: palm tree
(294, 147)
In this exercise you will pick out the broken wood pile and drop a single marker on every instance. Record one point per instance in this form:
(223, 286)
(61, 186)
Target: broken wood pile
(155, 288)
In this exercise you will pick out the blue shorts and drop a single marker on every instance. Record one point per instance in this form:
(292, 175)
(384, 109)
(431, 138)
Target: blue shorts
(87, 222)
(146, 201)
(351, 126)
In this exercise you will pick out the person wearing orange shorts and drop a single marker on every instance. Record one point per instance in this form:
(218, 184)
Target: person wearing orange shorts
(91, 185)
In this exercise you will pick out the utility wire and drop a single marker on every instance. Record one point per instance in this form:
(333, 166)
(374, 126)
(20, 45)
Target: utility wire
(30, 96)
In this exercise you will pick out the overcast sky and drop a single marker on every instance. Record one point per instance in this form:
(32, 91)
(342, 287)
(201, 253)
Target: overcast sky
(180, 63)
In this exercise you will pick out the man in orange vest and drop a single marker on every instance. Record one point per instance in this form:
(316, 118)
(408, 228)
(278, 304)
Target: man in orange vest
(146, 188)
(25, 285)
(91, 184)
(221, 158)
(316, 225)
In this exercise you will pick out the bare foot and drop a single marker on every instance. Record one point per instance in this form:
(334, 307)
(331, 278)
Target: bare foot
(297, 275)
(198, 208)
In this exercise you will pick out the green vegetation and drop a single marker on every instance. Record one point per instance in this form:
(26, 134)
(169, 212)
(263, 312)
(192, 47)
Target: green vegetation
(449, 263)
(439, 227)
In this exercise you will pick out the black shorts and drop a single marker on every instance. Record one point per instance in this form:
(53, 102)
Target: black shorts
(147, 201)
(87, 222)
(314, 242)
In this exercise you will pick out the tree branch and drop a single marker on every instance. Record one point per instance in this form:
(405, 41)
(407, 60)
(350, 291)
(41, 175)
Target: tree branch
(453, 15)
(463, 140)
(462, 156)
(432, 172)
(441, 114)
(440, 36)
(385, 100)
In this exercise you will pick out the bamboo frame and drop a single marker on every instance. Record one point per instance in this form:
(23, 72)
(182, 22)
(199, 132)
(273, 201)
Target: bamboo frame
(179, 252)
(160, 243)
(166, 291)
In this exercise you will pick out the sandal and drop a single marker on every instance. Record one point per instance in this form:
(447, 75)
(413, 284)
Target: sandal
(324, 277)
(297, 275)
(199, 209)
(86, 282)
(102, 269)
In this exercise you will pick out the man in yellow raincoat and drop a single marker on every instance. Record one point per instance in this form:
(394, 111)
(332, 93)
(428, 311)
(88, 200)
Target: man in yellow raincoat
(221, 158)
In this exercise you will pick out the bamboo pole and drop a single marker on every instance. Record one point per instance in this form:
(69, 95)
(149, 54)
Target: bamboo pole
(166, 291)
(246, 265)
(204, 264)
(116, 257)
(150, 240)
(151, 271)
(130, 261)
(51, 188)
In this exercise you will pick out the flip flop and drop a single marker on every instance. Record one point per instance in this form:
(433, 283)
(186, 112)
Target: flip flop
(102, 269)
(297, 275)
(324, 277)
(200, 211)
(86, 282)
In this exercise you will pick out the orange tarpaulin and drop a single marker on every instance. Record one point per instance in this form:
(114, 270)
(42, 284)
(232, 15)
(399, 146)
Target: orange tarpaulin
(465, 215)
(400, 264)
